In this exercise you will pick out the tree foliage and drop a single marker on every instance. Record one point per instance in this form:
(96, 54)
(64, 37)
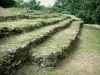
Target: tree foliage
(7, 3)
(88, 10)
(30, 4)
(33, 4)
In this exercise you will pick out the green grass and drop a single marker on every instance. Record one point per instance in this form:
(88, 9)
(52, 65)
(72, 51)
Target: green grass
(35, 12)
(58, 42)
(19, 45)
(30, 35)
(17, 41)
(89, 43)
(55, 43)
(14, 49)
(25, 22)
(43, 15)
(12, 14)
(16, 27)
(73, 16)
(5, 12)
(91, 39)
(16, 10)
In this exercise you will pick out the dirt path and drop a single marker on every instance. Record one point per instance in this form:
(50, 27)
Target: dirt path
(85, 60)
(79, 63)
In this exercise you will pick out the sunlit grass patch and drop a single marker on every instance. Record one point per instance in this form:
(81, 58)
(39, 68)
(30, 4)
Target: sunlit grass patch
(91, 38)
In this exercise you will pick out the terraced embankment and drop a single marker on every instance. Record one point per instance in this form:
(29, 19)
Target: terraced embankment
(15, 49)
(7, 15)
(26, 16)
(48, 53)
(16, 27)
(84, 60)
(43, 41)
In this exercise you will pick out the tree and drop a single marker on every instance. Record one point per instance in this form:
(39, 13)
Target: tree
(33, 4)
(19, 3)
(7, 3)
(88, 10)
